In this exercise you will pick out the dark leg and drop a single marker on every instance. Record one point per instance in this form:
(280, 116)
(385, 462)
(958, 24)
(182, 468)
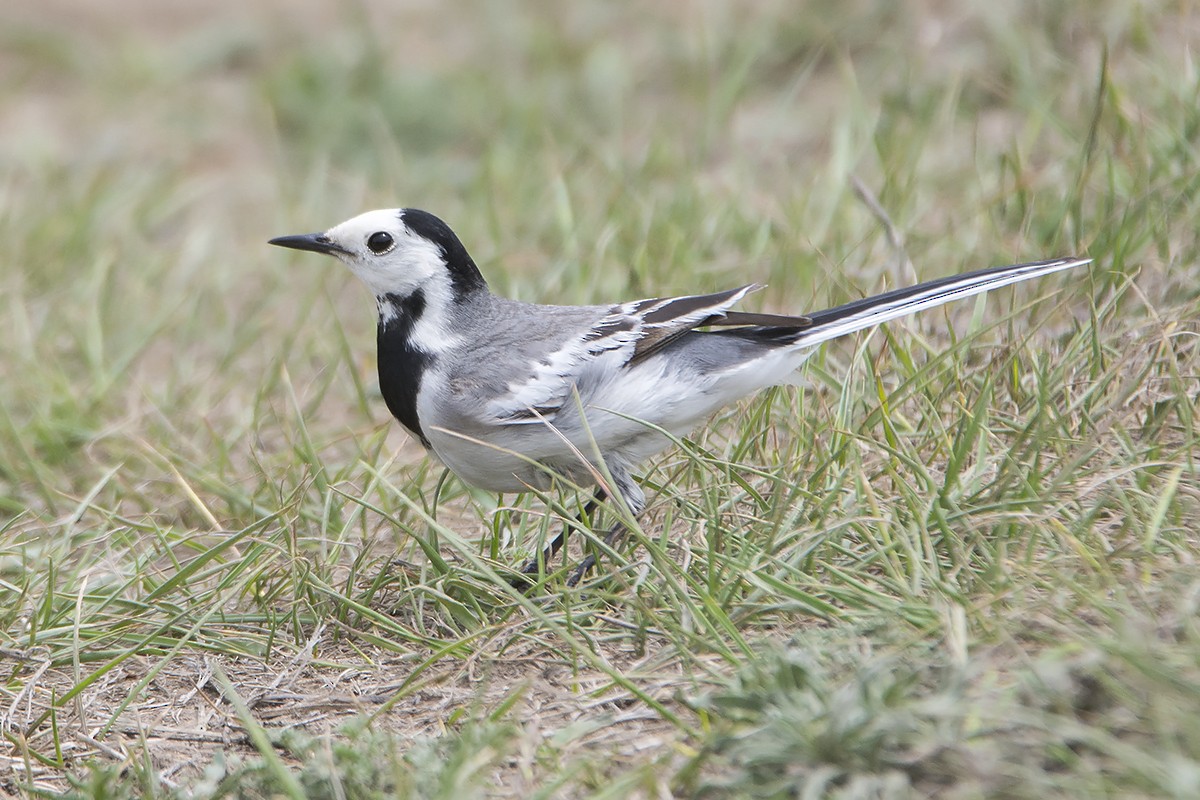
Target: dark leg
(535, 565)
(634, 499)
(613, 536)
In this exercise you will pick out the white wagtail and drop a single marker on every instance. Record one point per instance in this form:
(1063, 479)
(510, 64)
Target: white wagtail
(509, 394)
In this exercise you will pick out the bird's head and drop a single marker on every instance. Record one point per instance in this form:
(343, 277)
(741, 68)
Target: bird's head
(397, 252)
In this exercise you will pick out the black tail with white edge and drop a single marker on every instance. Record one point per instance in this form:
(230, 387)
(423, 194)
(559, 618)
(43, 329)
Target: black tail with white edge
(870, 311)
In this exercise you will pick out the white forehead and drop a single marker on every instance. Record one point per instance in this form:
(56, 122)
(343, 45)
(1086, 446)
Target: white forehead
(413, 262)
(358, 228)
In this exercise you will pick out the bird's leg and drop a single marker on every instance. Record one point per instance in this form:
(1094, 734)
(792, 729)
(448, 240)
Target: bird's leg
(538, 564)
(635, 501)
(613, 536)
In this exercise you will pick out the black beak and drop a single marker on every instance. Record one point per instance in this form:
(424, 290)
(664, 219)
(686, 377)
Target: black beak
(316, 242)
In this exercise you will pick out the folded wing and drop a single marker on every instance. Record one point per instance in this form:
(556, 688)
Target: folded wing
(626, 334)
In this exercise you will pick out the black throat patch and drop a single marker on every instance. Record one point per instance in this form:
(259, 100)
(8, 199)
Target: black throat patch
(401, 362)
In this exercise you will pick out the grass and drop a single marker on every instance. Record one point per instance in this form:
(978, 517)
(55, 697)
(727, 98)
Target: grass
(958, 563)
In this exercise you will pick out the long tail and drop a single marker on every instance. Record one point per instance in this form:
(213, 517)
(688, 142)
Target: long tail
(872, 311)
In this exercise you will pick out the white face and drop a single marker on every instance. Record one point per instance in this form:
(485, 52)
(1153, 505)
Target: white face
(387, 256)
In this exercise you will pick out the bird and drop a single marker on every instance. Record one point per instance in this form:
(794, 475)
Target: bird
(511, 395)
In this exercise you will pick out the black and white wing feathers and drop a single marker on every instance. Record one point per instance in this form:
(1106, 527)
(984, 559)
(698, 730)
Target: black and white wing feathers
(626, 334)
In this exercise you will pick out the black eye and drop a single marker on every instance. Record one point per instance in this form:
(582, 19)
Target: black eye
(380, 242)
